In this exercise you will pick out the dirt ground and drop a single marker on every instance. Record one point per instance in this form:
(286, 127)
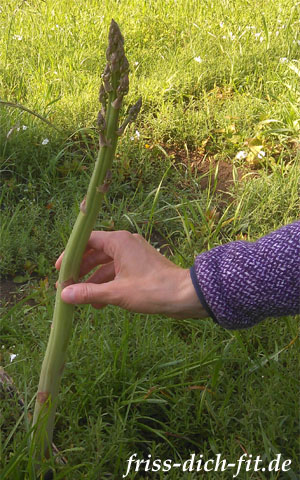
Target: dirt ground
(204, 165)
(10, 292)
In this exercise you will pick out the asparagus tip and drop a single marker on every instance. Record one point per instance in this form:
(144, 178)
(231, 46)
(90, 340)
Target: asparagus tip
(115, 34)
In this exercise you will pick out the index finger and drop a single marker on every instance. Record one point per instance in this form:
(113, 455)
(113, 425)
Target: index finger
(100, 241)
(109, 242)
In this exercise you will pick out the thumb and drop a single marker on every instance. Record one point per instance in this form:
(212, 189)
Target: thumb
(82, 293)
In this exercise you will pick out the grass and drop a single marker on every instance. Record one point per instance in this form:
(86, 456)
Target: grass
(215, 80)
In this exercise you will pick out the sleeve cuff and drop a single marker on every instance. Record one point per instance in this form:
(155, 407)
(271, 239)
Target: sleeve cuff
(200, 294)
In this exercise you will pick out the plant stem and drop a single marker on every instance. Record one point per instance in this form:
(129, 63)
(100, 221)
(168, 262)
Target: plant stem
(115, 80)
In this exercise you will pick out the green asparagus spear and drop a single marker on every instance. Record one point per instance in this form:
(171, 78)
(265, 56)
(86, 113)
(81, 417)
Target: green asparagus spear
(114, 86)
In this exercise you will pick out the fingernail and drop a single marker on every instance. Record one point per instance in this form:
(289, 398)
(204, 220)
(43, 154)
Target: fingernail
(68, 295)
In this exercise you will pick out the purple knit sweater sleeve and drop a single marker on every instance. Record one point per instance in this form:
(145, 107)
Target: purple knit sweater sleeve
(241, 283)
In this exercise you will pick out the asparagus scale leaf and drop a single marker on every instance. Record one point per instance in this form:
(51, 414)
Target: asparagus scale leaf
(114, 87)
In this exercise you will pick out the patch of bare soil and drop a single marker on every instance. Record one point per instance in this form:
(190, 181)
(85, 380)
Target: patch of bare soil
(224, 177)
(11, 293)
(8, 292)
(207, 168)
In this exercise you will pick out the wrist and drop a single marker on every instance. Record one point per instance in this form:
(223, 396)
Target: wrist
(186, 302)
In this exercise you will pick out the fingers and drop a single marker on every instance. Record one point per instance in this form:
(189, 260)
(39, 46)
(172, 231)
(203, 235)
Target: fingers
(91, 258)
(105, 243)
(104, 274)
(108, 242)
(59, 260)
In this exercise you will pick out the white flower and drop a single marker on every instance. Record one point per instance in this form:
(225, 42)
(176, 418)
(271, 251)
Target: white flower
(261, 154)
(12, 356)
(137, 135)
(241, 155)
(24, 127)
(221, 24)
(136, 64)
(232, 37)
(283, 60)
(18, 37)
(277, 33)
(45, 141)
(198, 59)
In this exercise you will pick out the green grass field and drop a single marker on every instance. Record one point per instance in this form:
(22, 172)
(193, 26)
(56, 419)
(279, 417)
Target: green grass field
(213, 157)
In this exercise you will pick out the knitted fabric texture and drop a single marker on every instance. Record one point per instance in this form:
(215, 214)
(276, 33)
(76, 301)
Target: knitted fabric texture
(241, 283)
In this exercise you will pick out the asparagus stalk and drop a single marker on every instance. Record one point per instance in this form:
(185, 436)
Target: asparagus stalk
(114, 86)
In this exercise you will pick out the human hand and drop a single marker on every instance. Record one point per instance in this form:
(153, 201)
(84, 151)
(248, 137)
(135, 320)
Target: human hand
(134, 276)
